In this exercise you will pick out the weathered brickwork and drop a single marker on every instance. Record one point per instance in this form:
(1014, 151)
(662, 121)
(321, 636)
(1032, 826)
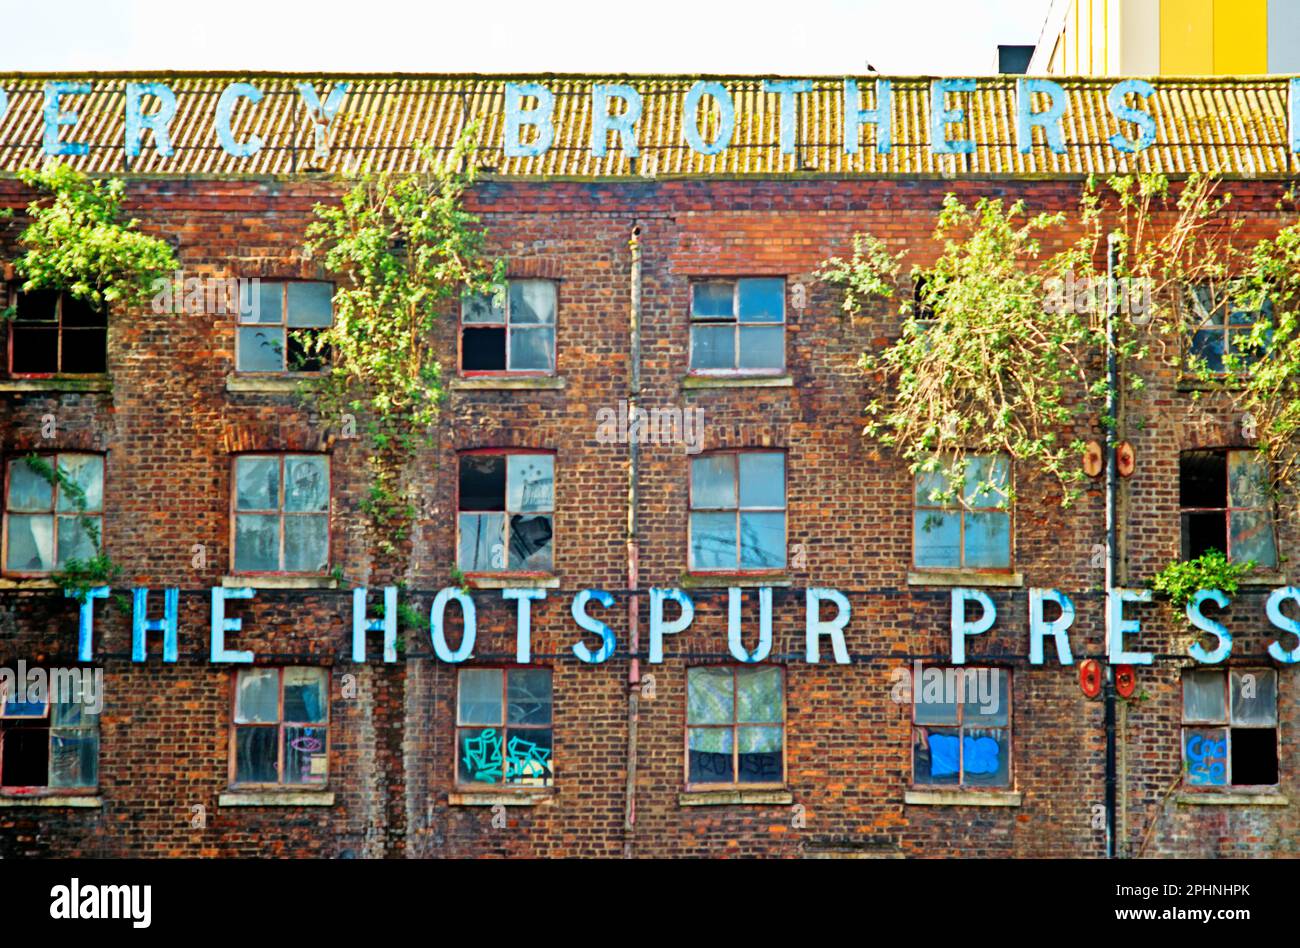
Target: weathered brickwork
(169, 427)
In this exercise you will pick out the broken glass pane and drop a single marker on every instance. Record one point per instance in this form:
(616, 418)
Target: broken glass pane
(478, 696)
(35, 350)
(257, 696)
(257, 543)
(937, 539)
(530, 483)
(1254, 756)
(988, 540)
(74, 758)
(76, 541)
(482, 482)
(531, 349)
(709, 755)
(1203, 696)
(29, 490)
(310, 305)
(712, 300)
(305, 695)
(759, 697)
(532, 301)
(713, 481)
(762, 481)
(761, 300)
(713, 347)
(257, 483)
(762, 540)
(306, 757)
(528, 696)
(86, 472)
(530, 542)
(709, 695)
(255, 754)
(481, 308)
(261, 349)
(306, 483)
(1247, 480)
(713, 541)
(1252, 537)
(759, 753)
(528, 754)
(480, 755)
(936, 755)
(986, 757)
(482, 542)
(1205, 752)
(1254, 696)
(30, 543)
(483, 349)
(762, 347)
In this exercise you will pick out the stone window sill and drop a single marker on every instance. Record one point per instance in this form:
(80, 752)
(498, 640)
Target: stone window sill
(1263, 579)
(56, 385)
(265, 384)
(276, 798)
(77, 801)
(513, 582)
(490, 383)
(723, 580)
(33, 583)
(279, 582)
(735, 798)
(961, 798)
(737, 381)
(1211, 798)
(500, 798)
(963, 577)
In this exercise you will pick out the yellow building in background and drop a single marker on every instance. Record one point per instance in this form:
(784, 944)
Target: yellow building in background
(1169, 38)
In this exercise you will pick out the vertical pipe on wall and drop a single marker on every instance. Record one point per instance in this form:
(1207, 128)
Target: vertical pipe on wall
(1112, 545)
(633, 604)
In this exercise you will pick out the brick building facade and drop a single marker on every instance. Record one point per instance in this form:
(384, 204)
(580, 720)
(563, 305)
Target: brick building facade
(822, 761)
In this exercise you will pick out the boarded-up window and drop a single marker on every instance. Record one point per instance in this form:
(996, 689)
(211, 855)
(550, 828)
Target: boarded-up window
(1230, 730)
(280, 732)
(735, 725)
(503, 727)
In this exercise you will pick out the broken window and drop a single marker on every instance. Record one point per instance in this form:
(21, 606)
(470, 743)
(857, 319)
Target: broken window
(738, 325)
(52, 521)
(57, 334)
(49, 736)
(280, 323)
(281, 727)
(961, 727)
(503, 727)
(516, 334)
(1230, 727)
(735, 725)
(281, 514)
(738, 511)
(970, 531)
(506, 511)
(1220, 340)
(1224, 505)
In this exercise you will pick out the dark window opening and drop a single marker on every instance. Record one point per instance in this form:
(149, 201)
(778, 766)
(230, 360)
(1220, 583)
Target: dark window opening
(26, 758)
(56, 333)
(1254, 756)
(1224, 504)
(484, 350)
(505, 516)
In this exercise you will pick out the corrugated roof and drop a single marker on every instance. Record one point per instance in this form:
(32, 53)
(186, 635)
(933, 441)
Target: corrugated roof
(1231, 126)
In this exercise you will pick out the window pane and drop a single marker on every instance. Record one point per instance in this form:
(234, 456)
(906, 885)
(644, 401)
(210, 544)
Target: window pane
(709, 695)
(306, 755)
(986, 757)
(482, 482)
(26, 756)
(532, 301)
(713, 541)
(1252, 537)
(257, 543)
(31, 543)
(712, 300)
(934, 697)
(255, 754)
(930, 489)
(709, 755)
(937, 538)
(759, 752)
(1202, 479)
(1206, 752)
(935, 755)
(85, 351)
(530, 541)
(257, 483)
(483, 350)
(479, 755)
(34, 350)
(268, 302)
(762, 300)
(81, 313)
(261, 349)
(74, 758)
(986, 700)
(479, 308)
(713, 481)
(762, 347)
(75, 540)
(986, 481)
(29, 490)
(762, 480)
(478, 696)
(257, 696)
(38, 306)
(86, 472)
(482, 542)
(759, 697)
(530, 483)
(528, 757)
(1247, 480)
(988, 540)
(306, 483)
(1254, 756)
(528, 698)
(532, 349)
(310, 305)
(1207, 349)
(306, 543)
(762, 540)
(713, 347)
(1203, 697)
(1254, 696)
(305, 695)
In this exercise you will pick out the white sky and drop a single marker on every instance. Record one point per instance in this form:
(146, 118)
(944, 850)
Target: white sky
(546, 36)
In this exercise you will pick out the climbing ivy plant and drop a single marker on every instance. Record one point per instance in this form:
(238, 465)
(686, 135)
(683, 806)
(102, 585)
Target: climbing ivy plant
(405, 250)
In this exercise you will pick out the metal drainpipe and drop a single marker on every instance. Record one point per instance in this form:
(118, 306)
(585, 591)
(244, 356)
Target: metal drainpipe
(1112, 546)
(633, 615)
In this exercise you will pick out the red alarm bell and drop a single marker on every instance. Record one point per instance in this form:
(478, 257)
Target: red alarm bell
(1090, 677)
(1125, 680)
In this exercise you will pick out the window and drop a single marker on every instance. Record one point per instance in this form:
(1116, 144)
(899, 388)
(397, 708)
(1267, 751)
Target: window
(506, 505)
(56, 333)
(1223, 330)
(1230, 727)
(50, 739)
(282, 504)
(516, 336)
(961, 727)
(738, 511)
(281, 727)
(503, 727)
(738, 325)
(1224, 506)
(735, 725)
(972, 531)
(49, 522)
(279, 323)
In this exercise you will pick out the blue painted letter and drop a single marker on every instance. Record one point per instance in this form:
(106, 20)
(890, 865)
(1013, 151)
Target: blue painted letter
(815, 627)
(1224, 648)
(588, 624)
(167, 625)
(517, 115)
(962, 628)
(157, 122)
(221, 625)
(1049, 121)
(726, 112)
(1057, 628)
(361, 624)
(881, 116)
(86, 621)
(787, 89)
(55, 117)
(659, 628)
(734, 643)
(624, 125)
(1143, 120)
(1118, 626)
(941, 117)
(225, 108)
(523, 620)
(1274, 610)
(436, 631)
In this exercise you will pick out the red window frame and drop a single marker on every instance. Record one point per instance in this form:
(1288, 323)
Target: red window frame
(737, 570)
(59, 329)
(735, 726)
(54, 511)
(1227, 726)
(736, 371)
(279, 724)
(507, 572)
(501, 786)
(505, 325)
(233, 512)
(47, 718)
(960, 727)
(956, 507)
(1228, 509)
(282, 324)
